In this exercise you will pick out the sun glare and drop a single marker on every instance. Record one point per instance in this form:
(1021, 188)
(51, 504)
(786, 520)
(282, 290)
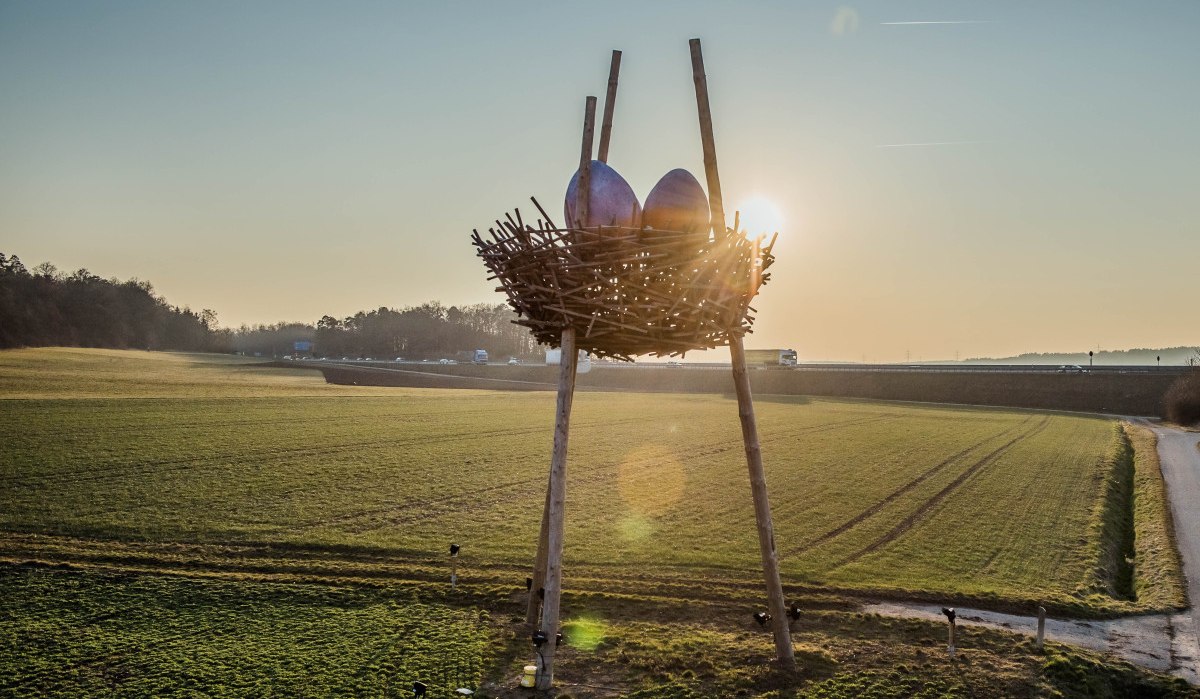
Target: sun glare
(760, 216)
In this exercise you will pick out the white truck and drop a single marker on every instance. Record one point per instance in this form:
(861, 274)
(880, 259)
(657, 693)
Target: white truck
(480, 357)
(583, 365)
(771, 357)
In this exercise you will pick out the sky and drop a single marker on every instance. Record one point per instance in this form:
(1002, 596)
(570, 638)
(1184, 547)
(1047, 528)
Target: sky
(953, 178)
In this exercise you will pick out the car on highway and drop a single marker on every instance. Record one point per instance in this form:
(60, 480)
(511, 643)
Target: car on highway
(1071, 369)
(514, 361)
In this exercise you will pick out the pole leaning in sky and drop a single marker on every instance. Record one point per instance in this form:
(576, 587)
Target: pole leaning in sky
(623, 290)
(784, 652)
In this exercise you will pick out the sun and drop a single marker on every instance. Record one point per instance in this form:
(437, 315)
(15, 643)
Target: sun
(760, 216)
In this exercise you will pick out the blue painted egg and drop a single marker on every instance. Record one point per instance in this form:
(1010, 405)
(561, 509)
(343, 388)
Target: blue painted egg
(611, 201)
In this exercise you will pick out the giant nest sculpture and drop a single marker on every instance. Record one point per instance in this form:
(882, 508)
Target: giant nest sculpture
(618, 281)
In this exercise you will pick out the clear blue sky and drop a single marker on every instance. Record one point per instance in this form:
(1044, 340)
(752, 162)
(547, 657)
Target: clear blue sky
(280, 161)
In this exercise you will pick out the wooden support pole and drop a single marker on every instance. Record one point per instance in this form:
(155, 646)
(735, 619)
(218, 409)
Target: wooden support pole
(534, 612)
(585, 161)
(539, 567)
(1041, 632)
(610, 103)
(762, 507)
(784, 652)
(558, 496)
(950, 647)
(715, 203)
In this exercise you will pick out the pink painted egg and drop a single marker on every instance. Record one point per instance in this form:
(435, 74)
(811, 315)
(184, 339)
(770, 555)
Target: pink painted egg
(611, 201)
(677, 203)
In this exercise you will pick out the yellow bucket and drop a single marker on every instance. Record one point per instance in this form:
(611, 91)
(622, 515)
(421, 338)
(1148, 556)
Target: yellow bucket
(529, 679)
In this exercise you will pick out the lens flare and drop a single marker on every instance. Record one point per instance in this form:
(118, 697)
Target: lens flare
(650, 480)
(635, 528)
(585, 633)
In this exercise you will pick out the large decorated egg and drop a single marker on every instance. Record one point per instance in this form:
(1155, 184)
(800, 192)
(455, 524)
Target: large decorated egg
(677, 203)
(611, 201)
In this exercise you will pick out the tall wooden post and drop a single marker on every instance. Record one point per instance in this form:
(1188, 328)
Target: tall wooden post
(784, 652)
(762, 507)
(716, 204)
(533, 613)
(533, 610)
(610, 103)
(556, 495)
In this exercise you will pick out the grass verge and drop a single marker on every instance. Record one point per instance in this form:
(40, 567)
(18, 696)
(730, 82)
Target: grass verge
(1158, 581)
(99, 634)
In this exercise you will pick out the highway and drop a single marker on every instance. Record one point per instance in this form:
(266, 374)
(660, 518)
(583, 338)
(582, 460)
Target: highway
(693, 366)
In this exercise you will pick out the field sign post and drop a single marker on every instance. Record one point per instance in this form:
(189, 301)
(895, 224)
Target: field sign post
(784, 653)
(1041, 632)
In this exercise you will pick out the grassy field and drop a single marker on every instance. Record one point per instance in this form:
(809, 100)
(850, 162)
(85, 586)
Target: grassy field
(175, 448)
(229, 473)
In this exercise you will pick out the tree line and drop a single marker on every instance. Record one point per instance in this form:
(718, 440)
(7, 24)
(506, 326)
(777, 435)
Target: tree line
(48, 307)
(428, 331)
(43, 306)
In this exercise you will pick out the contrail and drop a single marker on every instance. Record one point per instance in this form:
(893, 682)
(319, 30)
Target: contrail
(928, 143)
(948, 21)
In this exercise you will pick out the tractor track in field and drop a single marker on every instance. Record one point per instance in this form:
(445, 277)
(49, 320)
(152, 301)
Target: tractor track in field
(267, 560)
(899, 492)
(249, 425)
(927, 507)
(158, 466)
(580, 476)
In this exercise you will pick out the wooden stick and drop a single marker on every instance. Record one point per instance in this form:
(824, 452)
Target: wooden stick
(585, 160)
(715, 204)
(784, 651)
(558, 496)
(610, 103)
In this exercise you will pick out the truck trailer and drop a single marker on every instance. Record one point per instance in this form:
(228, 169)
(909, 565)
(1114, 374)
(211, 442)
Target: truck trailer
(771, 357)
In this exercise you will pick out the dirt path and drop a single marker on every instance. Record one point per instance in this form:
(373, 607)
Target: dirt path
(1163, 642)
(1179, 454)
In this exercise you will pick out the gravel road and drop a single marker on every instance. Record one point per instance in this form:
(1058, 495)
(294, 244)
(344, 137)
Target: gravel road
(1179, 454)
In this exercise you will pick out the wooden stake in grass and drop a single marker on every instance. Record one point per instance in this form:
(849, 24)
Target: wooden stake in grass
(950, 617)
(784, 652)
(1041, 632)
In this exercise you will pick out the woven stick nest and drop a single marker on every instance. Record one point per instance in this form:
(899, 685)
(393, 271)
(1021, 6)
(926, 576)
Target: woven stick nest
(626, 291)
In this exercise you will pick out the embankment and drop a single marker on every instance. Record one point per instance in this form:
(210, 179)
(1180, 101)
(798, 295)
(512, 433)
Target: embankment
(1103, 392)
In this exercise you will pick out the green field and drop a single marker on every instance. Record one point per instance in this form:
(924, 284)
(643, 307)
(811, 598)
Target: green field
(213, 466)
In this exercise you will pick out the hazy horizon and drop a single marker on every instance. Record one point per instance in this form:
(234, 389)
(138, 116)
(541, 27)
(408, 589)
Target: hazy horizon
(953, 178)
